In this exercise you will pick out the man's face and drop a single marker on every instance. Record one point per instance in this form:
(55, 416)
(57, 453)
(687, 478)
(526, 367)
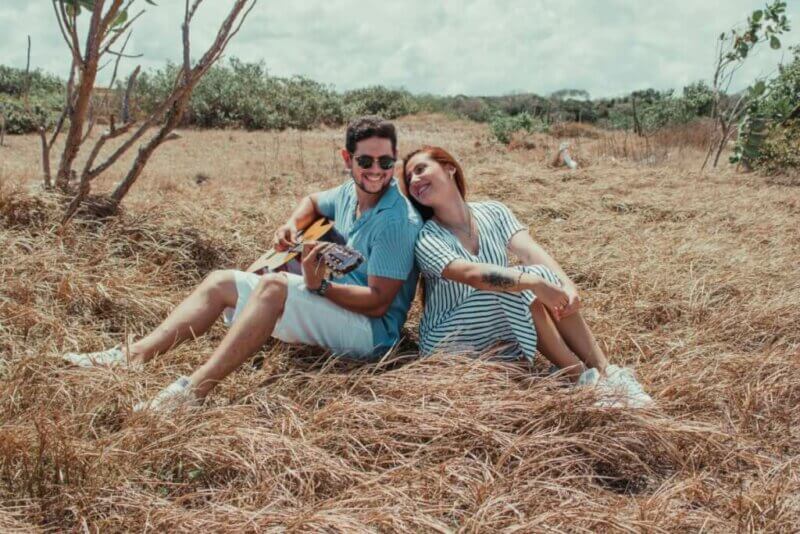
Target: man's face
(377, 152)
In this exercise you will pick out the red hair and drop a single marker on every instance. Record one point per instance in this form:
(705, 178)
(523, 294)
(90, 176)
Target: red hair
(443, 158)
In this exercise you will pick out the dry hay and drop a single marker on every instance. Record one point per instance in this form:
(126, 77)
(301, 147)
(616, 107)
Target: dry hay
(691, 279)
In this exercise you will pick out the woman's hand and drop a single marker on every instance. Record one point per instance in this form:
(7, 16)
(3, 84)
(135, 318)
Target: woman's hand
(574, 302)
(553, 297)
(285, 237)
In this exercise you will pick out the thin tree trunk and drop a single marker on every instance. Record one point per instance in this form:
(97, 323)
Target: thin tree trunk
(77, 116)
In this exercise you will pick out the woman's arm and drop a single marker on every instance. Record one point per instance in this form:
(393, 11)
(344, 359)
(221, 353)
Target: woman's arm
(530, 252)
(490, 277)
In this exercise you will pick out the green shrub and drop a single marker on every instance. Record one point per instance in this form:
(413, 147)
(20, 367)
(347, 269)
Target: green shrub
(504, 126)
(14, 82)
(41, 111)
(379, 100)
(769, 135)
(781, 150)
(243, 95)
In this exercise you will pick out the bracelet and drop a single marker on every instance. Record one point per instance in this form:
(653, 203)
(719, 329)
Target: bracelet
(519, 278)
(323, 287)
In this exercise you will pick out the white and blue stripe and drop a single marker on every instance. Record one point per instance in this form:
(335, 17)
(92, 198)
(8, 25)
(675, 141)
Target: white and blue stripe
(458, 317)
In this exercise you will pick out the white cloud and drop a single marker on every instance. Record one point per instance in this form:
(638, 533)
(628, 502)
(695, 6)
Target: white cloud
(445, 46)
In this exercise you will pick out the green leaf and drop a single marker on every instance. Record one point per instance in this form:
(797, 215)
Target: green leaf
(121, 19)
(774, 43)
(758, 89)
(757, 15)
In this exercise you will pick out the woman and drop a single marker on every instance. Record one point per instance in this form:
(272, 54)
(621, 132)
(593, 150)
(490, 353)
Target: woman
(474, 301)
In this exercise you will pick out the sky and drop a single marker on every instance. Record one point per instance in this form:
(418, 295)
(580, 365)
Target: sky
(446, 47)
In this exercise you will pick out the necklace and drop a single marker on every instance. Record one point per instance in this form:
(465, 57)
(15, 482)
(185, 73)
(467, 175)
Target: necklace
(468, 231)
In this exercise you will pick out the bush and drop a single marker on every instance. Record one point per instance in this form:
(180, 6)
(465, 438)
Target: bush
(14, 81)
(769, 135)
(44, 103)
(41, 111)
(472, 107)
(379, 100)
(781, 151)
(504, 126)
(244, 95)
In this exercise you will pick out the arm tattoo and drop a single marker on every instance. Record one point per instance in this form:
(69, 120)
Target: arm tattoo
(498, 279)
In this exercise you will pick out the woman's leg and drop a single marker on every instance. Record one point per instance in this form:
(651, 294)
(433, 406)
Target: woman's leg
(580, 339)
(192, 317)
(552, 345)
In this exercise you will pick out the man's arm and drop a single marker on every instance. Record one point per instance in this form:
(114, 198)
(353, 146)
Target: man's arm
(304, 214)
(372, 300)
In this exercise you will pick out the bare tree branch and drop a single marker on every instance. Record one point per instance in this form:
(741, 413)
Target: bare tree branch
(58, 9)
(48, 183)
(126, 102)
(184, 93)
(28, 76)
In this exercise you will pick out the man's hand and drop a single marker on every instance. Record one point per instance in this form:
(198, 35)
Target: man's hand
(314, 269)
(574, 303)
(285, 237)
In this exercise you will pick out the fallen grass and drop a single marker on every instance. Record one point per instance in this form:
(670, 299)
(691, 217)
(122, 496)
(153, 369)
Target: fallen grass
(689, 278)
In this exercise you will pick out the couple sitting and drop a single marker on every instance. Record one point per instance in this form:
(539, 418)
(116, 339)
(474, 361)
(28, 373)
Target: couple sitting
(473, 300)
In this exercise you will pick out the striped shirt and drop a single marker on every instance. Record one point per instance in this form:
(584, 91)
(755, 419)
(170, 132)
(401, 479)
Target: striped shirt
(458, 317)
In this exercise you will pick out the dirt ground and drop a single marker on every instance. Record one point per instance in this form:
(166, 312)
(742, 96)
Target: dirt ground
(690, 278)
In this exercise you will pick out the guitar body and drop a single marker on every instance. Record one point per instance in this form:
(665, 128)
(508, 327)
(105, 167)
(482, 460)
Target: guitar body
(273, 261)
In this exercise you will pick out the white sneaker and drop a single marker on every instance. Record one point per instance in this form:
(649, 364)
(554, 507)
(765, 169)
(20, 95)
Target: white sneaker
(608, 396)
(176, 395)
(622, 380)
(113, 357)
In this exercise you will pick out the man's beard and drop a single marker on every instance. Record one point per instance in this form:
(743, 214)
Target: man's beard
(360, 185)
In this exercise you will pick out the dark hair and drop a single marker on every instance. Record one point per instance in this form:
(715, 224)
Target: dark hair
(443, 157)
(366, 127)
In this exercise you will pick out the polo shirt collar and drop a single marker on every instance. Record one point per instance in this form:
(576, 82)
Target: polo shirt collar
(389, 198)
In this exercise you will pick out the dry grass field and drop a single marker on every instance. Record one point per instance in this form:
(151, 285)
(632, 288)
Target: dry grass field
(691, 279)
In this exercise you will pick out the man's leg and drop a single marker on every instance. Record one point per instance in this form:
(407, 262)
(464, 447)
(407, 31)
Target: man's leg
(552, 345)
(249, 332)
(192, 317)
(580, 339)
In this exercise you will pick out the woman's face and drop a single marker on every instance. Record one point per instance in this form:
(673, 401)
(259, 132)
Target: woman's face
(429, 183)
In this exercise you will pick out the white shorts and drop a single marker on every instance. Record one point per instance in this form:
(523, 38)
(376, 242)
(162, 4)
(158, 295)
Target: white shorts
(311, 319)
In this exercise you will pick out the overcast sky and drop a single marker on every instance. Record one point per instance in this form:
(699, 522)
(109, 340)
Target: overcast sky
(477, 47)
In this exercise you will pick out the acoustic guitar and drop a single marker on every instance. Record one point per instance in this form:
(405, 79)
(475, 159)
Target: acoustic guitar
(338, 257)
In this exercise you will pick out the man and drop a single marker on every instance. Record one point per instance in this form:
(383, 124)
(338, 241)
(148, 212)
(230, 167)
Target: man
(359, 316)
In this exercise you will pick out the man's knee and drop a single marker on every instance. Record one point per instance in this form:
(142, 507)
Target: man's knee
(272, 288)
(222, 284)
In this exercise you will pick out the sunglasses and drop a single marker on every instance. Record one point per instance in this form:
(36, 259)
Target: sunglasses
(384, 162)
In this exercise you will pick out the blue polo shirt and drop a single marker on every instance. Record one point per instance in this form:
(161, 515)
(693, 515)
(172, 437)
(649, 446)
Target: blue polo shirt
(385, 235)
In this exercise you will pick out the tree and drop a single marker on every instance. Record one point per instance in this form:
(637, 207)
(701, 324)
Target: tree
(110, 21)
(733, 48)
